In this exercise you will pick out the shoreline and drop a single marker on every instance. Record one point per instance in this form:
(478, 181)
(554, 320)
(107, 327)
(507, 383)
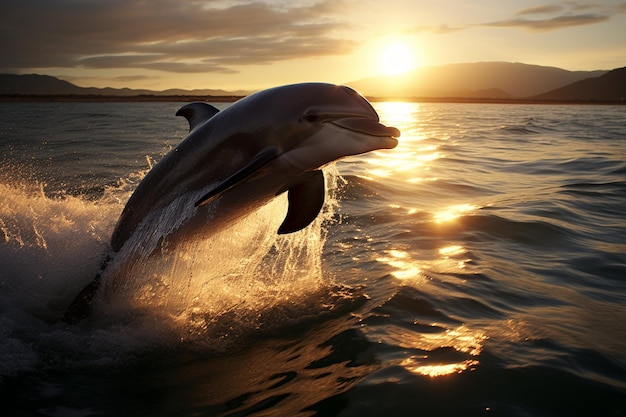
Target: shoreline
(231, 99)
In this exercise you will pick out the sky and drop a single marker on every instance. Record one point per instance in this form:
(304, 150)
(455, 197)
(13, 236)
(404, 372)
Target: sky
(239, 44)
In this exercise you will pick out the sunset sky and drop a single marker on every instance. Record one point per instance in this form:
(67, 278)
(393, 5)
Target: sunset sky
(233, 44)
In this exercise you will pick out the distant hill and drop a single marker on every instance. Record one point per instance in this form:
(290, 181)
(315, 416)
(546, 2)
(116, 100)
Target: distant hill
(473, 80)
(608, 87)
(33, 84)
(36, 84)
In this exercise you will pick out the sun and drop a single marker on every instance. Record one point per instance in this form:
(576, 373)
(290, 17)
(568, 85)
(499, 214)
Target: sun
(397, 58)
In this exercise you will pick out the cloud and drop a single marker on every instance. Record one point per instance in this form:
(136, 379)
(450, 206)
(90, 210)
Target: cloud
(550, 8)
(558, 16)
(167, 35)
(441, 29)
(542, 18)
(551, 23)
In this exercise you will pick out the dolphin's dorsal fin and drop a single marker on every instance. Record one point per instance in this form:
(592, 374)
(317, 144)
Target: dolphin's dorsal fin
(305, 202)
(196, 113)
(262, 158)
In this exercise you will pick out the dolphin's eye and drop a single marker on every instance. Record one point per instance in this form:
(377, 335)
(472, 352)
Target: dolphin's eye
(311, 118)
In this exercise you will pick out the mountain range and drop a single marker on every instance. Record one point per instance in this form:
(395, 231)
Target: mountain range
(474, 81)
(492, 80)
(46, 85)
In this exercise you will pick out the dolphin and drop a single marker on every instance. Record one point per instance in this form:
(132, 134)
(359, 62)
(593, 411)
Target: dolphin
(236, 160)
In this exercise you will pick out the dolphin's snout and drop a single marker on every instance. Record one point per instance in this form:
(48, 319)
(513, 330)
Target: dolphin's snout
(367, 126)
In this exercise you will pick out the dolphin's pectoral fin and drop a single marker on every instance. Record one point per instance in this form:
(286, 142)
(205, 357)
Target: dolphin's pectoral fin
(196, 113)
(261, 159)
(305, 202)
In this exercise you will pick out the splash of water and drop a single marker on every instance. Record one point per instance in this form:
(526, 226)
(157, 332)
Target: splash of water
(48, 246)
(53, 246)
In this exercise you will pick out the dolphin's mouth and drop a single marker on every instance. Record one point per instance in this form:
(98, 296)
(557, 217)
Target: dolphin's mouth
(366, 126)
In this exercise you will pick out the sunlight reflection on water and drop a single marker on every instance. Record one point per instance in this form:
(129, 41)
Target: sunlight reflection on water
(439, 370)
(435, 353)
(401, 260)
(461, 339)
(446, 350)
(454, 212)
(409, 160)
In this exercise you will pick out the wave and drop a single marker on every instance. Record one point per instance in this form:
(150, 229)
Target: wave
(520, 129)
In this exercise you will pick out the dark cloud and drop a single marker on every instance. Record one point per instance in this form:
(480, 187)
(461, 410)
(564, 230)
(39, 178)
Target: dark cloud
(130, 78)
(168, 35)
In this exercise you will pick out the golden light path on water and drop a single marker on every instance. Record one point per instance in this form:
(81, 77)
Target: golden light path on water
(411, 162)
(408, 158)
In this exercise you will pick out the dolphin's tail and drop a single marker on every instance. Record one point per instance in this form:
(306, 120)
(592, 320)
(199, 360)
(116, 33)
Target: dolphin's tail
(81, 306)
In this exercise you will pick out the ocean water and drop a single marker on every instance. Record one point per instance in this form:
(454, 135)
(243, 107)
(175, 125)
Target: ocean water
(477, 269)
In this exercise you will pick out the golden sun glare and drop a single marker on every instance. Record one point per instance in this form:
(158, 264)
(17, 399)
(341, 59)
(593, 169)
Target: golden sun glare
(397, 58)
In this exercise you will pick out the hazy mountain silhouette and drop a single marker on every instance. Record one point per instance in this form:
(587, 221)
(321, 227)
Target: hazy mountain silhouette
(608, 87)
(36, 84)
(482, 80)
(473, 80)
(33, 84)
